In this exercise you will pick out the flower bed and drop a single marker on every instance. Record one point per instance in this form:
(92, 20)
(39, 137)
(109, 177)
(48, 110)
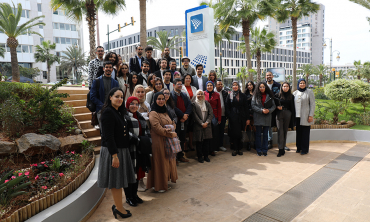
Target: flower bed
(42, 184)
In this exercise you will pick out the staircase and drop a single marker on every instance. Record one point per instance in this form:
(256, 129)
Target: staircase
(77, 99)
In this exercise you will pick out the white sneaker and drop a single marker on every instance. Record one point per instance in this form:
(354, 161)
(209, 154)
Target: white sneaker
(223, 149)
(141, 187)
(97, 127)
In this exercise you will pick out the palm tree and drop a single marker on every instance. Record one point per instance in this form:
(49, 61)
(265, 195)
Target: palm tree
(358, 67)
(74, 58)
(364, 3)
(243, 75)
(261, 41)
(2, 52)
(75, 9)
(9, 24)
(142, 23)
(43, 54)
(307, 70)
(294, 10)
(321, 70)
(164, 41)
(243, 13)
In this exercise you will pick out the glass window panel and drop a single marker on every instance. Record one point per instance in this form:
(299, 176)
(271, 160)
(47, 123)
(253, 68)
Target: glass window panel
(41, 40)
(73, 27)
(28, 13)
(25, 48)
(39, 7)
(67, 26)
(68, 41)
(23, 15)
(30, 48)
(61, 26)
(19, 49)
(56, 25)
(63, 40)
(56, 39)
(55, 12)
(74, 42)
(41, 26)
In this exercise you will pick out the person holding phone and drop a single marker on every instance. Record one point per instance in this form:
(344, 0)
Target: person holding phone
(262, 105)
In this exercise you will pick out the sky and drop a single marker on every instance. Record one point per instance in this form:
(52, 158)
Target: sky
(345, 23)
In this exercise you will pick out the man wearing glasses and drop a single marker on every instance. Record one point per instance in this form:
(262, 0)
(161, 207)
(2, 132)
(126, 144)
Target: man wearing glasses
(95, 64)
(183, 109)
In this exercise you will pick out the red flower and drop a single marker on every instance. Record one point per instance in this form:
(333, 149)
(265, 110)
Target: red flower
(27, 173)
(20, 174)
(45, 165)
(37, 177)
(13, 177)
(44, 187)
(6, 181)
(42, 162)
(61, 174)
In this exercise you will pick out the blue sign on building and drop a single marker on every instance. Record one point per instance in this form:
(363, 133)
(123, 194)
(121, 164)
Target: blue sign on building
(196, 23)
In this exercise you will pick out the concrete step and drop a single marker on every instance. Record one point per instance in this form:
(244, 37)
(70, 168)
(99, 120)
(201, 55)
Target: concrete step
(91, 132)
(95, 140)
(97, 150)
(81, 109)
(86, 124)
(83, 116)
(74, 90)
(75, 103)
(75, 97)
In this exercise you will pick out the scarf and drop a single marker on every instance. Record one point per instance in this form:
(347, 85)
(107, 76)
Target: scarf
(143, 108)
(184, 71)
(155, 107)
(172, 144)
(210, 93)
(235, 93)
(300, 80)
(201, 103)
(129, 100)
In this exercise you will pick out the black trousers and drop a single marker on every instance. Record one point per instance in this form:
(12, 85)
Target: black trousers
(302, 136)
(235, 143)
(203, 148)
(131, 190)
(214, 146)
(282, 122)
(221, 129)
(182, 137)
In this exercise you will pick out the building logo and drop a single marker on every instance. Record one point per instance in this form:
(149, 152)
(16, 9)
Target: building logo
(200, 59)
(196, 23)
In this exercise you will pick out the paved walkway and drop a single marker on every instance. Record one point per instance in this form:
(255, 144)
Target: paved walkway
(233, 188)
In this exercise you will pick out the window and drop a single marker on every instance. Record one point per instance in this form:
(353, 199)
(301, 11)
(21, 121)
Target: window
(57, 54)
(68, 41)
(155, 33)
(74, 42)
(30, 48)
(63, 40)
(19, 49)
(25, 48)
(55, 12)
(41, 26)
(67, 26)
(39, 7)
(56, 39)
(56, 25)
(61, 26)
(73, 27)
(176, 31)
(41, 40)
(134, 39)
(171, 33)
(45, 74)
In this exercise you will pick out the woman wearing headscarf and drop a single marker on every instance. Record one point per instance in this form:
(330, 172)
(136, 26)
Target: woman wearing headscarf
(116, 169)
(144, 107)
(202, 131)
(139, 128)
(238, 114)
(304, 102)
(262, 97)
(163, 167)
(285, 116)
(214, 99)
(158, 85)
(170, 104)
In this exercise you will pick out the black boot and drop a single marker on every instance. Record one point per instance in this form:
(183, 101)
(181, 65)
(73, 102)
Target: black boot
(269, 144)
(248, 146)
(281, 152)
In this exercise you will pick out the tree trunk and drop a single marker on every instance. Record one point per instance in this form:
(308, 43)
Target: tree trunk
(90, 18)
(258, 66)
(48, 71)
(307, 75)
(14, 61)
(246, 29)
(320, 80)
(294, 77)
(143, 23)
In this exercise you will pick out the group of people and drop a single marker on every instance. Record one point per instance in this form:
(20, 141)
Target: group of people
(145, 108)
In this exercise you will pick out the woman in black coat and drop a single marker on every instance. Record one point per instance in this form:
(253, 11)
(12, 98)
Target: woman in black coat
(249, 94)
(238, 113)
(285, 115)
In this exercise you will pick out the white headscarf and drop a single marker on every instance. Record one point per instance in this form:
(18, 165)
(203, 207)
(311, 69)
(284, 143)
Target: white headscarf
(201, 102)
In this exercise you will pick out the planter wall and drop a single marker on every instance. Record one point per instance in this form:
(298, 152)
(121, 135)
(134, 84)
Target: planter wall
(37, 206)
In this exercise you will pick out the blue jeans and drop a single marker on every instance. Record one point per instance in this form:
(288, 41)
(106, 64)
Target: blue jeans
(270, 133)
(262, 129)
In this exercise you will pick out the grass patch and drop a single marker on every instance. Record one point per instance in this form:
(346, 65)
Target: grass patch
(361, 127)
(352, 110)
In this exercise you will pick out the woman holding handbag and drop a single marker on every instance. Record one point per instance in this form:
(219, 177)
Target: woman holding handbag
(285, 116)
(163, 166)
(202, 114)
(263, 105)
(249, 94)
(237, 111)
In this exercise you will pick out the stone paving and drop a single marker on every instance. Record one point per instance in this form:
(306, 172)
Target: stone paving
(233, 188)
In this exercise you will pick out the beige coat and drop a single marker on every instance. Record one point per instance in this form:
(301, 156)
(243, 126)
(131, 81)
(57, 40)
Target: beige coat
(307, 106)
(199, 133)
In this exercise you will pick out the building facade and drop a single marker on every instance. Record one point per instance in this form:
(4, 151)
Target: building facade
(311, 30)
(232, 58)
(58, 28)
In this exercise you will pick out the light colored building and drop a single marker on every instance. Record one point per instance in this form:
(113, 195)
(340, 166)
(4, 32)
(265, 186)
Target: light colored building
(58, 28)
(311, 30)
(232, 58)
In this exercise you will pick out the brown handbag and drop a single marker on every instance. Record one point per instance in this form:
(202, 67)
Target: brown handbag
(94, 119)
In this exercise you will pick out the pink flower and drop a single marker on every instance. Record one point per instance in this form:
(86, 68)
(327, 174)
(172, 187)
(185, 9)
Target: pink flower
(67, 152)
(34, 164)
(80, 155)
(71, 160)
(20, 174)
(61, 174)
(6, 181)
(28, 176)
(44, 187)
(42, 162)
(37, 177)
(53, 177)
(13, 177)
(45, 165)
(73, 152)
(27, 173)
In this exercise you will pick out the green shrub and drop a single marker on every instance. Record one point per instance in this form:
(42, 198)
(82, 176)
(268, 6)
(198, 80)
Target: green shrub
(342, 89)
(363, 118)
(12, 116)
(24, 91)
(319, 93)
(363, 95)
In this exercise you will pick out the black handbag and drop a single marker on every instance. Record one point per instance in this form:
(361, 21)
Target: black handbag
(89, 104)
(248, 136)
(268, 104)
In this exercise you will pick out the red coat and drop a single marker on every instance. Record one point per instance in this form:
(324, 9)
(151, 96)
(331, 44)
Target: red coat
(215, 103)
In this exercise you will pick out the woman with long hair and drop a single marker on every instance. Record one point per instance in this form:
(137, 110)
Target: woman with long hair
(263, 105)
(285, 116)
(212, 76)
(151, 83)
(304, 102)
(203, 115)
(238, 113)
(249, 94)
(116, 169)
(163, 166)
(112, 56)
(191, 92)
(122, 76)
(158, 85)
(139, 129)
(133, 80)
(170, 104)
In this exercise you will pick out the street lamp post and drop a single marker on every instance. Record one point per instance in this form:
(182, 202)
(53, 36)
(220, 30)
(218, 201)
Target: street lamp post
(331, 54)
(119, 29)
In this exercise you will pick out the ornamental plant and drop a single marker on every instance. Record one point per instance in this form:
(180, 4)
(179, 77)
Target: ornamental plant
(342, 89)
(363, 95)
(12, 186)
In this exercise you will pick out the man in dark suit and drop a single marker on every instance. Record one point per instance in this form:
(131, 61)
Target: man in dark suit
(152, 63)
(199, 81)
(160, 72)
(137, 61)
(223, 95)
